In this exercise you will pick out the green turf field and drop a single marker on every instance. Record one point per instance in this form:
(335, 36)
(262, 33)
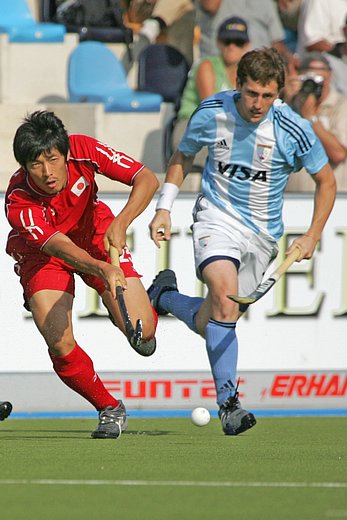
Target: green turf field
(169, 469)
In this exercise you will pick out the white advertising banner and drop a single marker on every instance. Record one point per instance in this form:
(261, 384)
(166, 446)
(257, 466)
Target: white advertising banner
(300, 325)
(310, 391)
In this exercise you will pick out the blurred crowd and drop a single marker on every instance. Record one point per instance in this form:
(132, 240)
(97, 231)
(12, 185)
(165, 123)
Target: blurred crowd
(212, 35)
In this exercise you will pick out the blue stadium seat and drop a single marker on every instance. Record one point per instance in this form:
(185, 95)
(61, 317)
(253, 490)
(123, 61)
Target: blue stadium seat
(17, 21)
(95, 75)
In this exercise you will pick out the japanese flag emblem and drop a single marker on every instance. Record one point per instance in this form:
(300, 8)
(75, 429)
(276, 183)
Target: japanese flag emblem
(79, 186)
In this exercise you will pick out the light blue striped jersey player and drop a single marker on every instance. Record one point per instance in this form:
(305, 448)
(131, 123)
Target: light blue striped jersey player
(249, 164)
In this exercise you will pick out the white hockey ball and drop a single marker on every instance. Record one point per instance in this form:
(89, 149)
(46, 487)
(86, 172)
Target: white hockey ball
(200, 416)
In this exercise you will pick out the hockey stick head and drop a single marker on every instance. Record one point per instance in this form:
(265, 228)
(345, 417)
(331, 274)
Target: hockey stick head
(264, 287)
(144, 348)
(134, 336)
(255, 295)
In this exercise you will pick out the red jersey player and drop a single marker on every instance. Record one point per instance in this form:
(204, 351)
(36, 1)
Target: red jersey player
(60, 228)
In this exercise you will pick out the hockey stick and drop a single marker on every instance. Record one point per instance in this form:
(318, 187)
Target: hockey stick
(134, 336)
(265, 286)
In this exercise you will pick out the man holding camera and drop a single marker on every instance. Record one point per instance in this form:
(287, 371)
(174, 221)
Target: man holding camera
(311, 94)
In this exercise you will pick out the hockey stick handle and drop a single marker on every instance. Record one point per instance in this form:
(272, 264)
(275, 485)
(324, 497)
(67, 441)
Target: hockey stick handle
(114, 255)
(281, 269)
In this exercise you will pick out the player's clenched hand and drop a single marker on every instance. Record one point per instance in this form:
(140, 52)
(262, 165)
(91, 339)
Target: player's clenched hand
(306, 244)
(160, 227)
(112, 276)
(115, 236)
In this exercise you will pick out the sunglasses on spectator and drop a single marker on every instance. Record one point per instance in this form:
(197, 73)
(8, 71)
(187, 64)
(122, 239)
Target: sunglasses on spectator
(238, 43)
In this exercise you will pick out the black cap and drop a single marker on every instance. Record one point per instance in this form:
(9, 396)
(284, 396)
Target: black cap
(234, 28)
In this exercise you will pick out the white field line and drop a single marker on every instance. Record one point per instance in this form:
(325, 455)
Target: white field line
(174, 483)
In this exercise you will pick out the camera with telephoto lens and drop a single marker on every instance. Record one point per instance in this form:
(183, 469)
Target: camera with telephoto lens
(311, 84)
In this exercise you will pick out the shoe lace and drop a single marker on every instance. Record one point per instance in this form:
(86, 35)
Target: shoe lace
(233, 401)
(112, 416)
(236, 394)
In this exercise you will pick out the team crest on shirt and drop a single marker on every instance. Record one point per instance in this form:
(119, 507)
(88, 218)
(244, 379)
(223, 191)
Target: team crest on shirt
(79, 186)
(263, 151)
(203, 241)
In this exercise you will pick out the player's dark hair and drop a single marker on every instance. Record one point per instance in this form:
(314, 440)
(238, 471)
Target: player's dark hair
(40, 132)
(262, 65)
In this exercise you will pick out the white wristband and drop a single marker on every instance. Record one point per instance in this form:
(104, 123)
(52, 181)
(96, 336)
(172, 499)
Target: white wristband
(167, 196)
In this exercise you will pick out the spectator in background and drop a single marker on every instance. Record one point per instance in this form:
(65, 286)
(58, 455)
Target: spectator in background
(78, 14)
(264, 24)
(326, 109)
(172, 20)
(321, 29)
(289, 14)
(212, 74)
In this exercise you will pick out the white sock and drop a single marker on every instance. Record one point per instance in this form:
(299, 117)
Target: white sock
(150, 29)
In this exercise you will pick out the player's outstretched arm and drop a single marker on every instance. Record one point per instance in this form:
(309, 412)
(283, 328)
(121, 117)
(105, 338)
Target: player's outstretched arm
(60, 246)
(324, 199)
(144, 186)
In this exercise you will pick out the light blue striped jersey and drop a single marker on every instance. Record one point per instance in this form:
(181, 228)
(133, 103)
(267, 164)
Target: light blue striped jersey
(249, 164)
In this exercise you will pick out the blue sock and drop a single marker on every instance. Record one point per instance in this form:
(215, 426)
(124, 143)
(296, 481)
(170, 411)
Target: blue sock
(181, 306)
(222, 350)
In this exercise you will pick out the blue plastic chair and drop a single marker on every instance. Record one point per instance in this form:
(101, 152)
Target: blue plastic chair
(17, 21)
(95, 75)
